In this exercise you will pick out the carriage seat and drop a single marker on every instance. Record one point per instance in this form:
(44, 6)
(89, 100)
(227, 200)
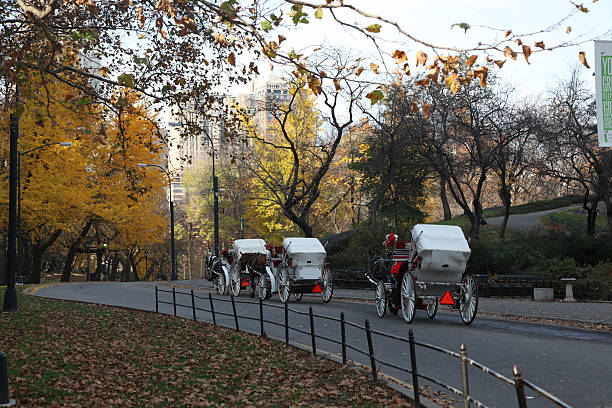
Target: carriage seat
(401, 252)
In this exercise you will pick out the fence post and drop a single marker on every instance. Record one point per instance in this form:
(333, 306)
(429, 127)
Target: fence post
(520, 388)
(156, 301)
(174, 300)
(261, 322)
(343, 333)
(371, 350)
(5, 399)
(286, 324)
(212, 309)
(235, 315)
(312, 331)
(464, 376)
(415, 376)
(193, 305)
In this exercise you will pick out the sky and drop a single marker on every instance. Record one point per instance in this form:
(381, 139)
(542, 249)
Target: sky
(431, 21)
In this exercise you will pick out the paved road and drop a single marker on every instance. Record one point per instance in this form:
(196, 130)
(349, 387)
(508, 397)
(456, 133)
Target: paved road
(573, 364)
(527, 222)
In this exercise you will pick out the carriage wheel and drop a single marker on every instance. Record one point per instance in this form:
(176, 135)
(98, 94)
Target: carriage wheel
(221, 285)
(328, 288)
(235, 279)
(283, 285)
(408, 298)
(468, 303)
(381, 299)
(263, 287)
(432, 309)
(298, 296)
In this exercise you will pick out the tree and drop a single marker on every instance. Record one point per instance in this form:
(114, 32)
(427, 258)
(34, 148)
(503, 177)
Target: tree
(392, 169)
(570, 148)
(290, 168)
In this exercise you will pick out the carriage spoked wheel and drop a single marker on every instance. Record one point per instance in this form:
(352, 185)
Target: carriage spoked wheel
(221, 284)
(283, 285)
(235, 279)
(408, 298)
(381, 299)
(327, 285)
(298, 296)
(263, 287)
(468, 303)
(432, 309)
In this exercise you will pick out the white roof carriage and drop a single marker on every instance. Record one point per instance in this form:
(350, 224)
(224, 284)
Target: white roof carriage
(442, 248)
(249, 246)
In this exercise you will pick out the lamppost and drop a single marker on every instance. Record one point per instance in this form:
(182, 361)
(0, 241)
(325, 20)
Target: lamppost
(19, 244)
(215, 197)
(173, 273)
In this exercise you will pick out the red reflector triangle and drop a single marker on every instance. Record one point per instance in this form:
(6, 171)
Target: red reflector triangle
(447, 299)
(316, 289)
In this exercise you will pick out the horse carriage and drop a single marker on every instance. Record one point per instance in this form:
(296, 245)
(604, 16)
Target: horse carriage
(302, 269)
(217, 270)
(251, 260)
(425, 273)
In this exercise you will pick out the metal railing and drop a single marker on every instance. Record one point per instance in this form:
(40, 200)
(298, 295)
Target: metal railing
(517, 382)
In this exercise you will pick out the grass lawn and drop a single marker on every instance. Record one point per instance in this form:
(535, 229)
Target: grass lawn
(72, 354)
(575, 223)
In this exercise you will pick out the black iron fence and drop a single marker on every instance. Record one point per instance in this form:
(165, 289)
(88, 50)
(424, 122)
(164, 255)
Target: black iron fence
(517, 382)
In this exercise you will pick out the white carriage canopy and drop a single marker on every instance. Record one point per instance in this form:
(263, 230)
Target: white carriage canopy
(249, 246)
(442, 248)
(305, 250)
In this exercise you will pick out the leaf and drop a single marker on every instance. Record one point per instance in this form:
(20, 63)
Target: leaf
(231, 59)
(266, 25)
(582, 58)
(471, 60)
(407, 69)
(540, 44)
(433, 74)
(375, 96)
(374, 28)
(337, 85)
(358, 71)
(314, 84)
(422, 82)
(568, 30)
(83, 101)
(319, 13)
(103, 72)
(526, 52)
(426, 109)
(400, 56)
(500, 63)
(464, 26)
(581, 8)
(374, 67)
(281, 38)
(508, 52)
(220, 39)
(421, 58)
(126, 80)
(508, 33)
(518, 42)
(482, 73)
(453, 83)
(414, 108)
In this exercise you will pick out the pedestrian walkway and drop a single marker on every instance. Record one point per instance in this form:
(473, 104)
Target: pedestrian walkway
(594, 312)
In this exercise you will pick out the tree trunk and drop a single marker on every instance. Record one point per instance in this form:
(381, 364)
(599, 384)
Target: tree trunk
(73, 251)
(506, 199)
(609, 216)
(590, 206)
(99, 262)
(445, 206)
(37, 252)
(114, 266)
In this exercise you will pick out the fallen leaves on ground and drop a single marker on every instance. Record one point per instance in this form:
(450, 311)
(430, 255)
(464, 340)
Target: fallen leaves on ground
(79, 355)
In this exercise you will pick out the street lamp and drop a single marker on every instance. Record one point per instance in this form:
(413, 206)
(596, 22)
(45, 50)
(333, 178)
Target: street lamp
(19, 244)
(173, 273)
(216, 198)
